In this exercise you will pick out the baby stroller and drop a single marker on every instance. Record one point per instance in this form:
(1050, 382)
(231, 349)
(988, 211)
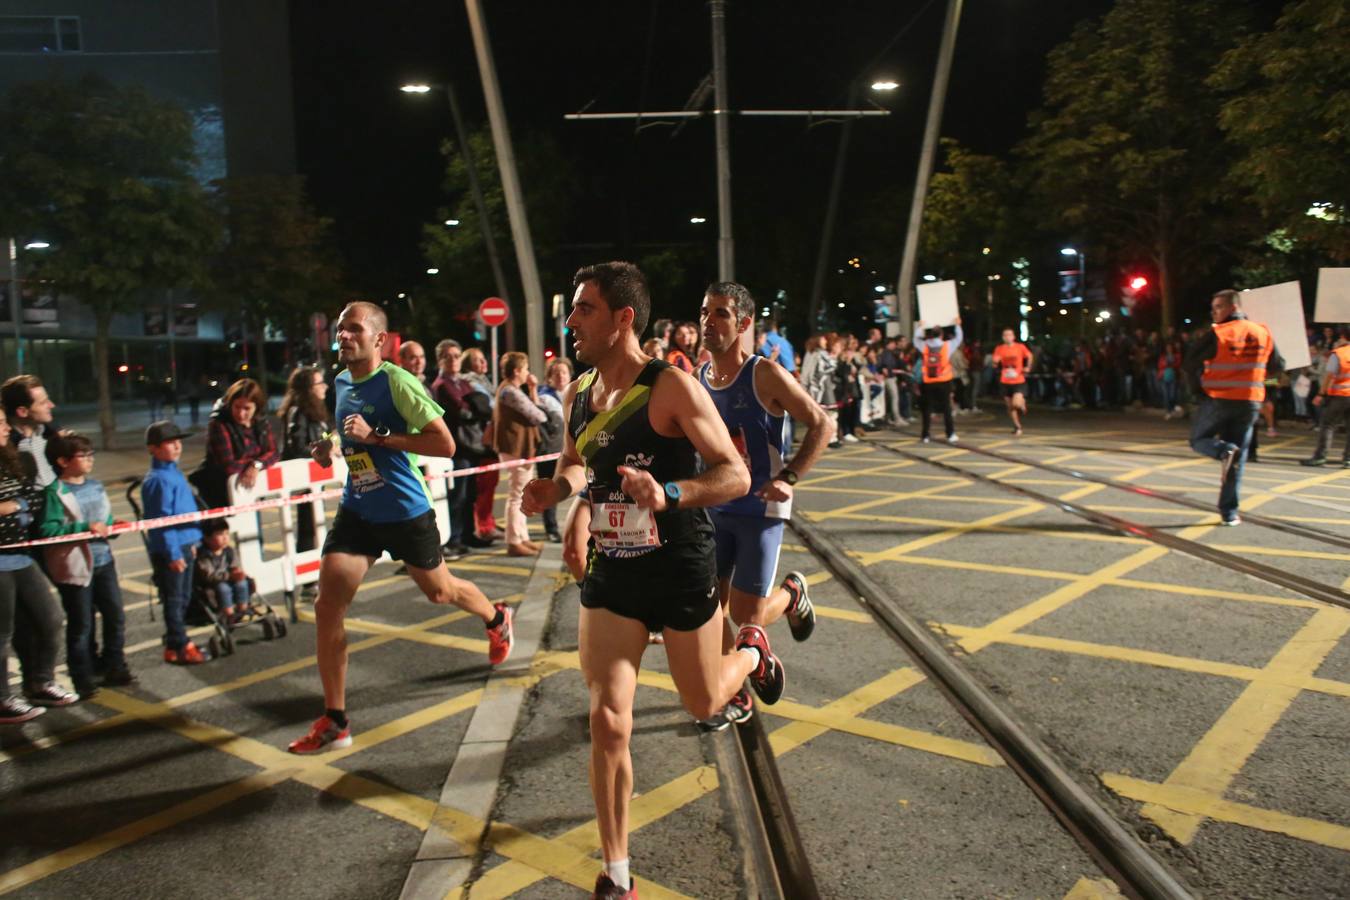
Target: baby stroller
(202, 606)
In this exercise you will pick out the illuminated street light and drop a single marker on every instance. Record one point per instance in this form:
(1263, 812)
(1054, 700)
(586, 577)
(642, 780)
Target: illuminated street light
(930, 278)
(985, 251)
(1040, 302)
(415, 88)
(1069, 251)
(1106, 314)
(433, 271)
(1063, 312)
(880, 289)
(885, 85)
(36, 245)
(697, 220)
(452, 222)
(841, 306)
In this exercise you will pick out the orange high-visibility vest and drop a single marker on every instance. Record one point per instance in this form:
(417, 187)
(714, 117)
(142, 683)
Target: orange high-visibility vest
(1340, 381)
(1238, 369)
(1010, 360)
(937, 364)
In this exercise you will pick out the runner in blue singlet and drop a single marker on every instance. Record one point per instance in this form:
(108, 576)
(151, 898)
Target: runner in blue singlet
(755, 397)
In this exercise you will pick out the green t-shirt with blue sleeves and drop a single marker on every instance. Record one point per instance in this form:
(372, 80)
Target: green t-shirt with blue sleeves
(384, 485)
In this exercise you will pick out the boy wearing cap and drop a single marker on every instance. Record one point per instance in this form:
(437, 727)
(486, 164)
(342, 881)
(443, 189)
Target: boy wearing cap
(165, 492)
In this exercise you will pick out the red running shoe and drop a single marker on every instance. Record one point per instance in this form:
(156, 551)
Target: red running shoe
(502, 638)
(768, 679)
(323, 734)
(608, 890)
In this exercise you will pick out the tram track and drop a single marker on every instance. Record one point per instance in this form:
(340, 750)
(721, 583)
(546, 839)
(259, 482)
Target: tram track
(1307, 587)
(1303, 531)
(1113, 846)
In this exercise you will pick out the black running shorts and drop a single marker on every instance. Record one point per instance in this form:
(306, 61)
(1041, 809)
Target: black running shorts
(674, 587)
(1010, 389)
(416, 541)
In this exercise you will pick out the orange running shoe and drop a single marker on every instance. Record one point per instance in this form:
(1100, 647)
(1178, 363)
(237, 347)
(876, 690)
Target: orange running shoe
(323, 734)
(502, 638)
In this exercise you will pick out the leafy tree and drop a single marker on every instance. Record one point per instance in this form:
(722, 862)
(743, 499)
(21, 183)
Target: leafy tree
(104, 173)
(1288, 114)
(972, 228)
(550, 182)
(276, 264)
(1127, 148)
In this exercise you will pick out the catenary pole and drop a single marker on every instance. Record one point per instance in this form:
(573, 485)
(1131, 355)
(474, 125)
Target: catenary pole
(484, 223)
(726, 245)
(515, 201)
(904, 288)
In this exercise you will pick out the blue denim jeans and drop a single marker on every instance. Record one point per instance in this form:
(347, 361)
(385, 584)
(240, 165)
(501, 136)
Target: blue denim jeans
(175, 589)
(103, 594)
(229, 594)
(1219, 426)
(459, 500)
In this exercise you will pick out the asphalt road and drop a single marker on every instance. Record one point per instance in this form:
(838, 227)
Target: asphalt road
(1205, 708)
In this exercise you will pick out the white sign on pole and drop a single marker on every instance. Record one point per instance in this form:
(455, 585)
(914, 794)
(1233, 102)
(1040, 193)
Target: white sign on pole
(937, 304)
(1333, 297)
(1280, 308)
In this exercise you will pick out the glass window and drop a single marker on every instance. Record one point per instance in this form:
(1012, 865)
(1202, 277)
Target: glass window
(40, 34)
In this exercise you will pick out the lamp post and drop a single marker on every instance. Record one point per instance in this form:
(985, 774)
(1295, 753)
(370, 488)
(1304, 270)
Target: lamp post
(1082, 270)
(15, 302)
(476, 188)
(884, 85)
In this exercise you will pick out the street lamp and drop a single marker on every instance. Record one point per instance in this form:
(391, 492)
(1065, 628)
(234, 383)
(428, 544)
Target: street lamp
(1082, 270)
(697, 220)
(475, 188)
(885, 84)
(36, 245)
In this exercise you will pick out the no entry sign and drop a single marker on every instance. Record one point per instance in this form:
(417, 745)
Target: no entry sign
(494, 311)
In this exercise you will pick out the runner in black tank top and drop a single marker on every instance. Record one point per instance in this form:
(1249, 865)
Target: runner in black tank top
(635, 430)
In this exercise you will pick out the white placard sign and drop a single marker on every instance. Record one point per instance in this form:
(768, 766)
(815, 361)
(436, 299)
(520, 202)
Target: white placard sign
(937, 304)
(1280, 308)
(1333, 297)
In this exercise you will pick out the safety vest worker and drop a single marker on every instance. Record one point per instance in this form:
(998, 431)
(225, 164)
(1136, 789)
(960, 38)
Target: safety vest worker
(1340, 381)
(1237, 370)
(937, 364)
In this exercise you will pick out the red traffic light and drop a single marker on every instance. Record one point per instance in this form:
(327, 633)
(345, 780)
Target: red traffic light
(1138, 283)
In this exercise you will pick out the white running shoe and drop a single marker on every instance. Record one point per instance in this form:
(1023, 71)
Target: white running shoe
(952, 438)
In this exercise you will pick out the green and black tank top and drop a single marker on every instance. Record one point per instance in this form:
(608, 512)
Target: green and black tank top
(624, 436)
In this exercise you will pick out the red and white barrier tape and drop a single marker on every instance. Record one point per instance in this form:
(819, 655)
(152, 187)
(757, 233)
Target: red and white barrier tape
(255, 506)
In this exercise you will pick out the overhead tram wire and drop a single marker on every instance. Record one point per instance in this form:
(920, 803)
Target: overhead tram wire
(1297, 583)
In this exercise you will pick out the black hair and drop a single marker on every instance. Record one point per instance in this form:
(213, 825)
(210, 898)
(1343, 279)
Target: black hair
(738, 294)
(65, 444)
(620, 284)
(214, 526)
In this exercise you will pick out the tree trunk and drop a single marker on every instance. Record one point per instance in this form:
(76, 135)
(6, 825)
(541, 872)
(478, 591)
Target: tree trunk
(102, 373)
(1166, 307)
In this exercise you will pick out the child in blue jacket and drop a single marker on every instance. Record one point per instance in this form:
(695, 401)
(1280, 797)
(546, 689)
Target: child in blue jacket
(166, 492)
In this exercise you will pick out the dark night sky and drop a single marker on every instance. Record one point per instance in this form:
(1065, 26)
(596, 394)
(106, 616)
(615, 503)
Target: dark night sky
(371, 153)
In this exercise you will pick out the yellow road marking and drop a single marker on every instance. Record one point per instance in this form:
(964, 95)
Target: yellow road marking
(1215, 761)
(1154, 658)
(1024, 509)
(1310, 482)
(141, 828)
(515, 876)
(1192, 803)
(1093, 889)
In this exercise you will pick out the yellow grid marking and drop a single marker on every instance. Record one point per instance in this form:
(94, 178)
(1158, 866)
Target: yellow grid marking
(515, 876)
(1191, 803)
(1093, 889)
(1215, 761)
(1153, 658)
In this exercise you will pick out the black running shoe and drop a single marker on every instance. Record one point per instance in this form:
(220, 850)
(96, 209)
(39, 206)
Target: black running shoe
(1313, 461)
(801, 615)
(608, 890)
(768, 679)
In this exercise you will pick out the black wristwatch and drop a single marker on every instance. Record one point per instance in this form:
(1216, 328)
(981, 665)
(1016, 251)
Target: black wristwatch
(787, 476)
(673, 493)
(381, 432)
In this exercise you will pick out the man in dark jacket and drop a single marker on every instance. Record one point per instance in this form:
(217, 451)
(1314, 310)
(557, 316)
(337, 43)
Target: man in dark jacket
(467, 410)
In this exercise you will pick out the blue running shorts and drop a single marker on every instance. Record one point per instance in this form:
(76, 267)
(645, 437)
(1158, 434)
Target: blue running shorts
(747, 550)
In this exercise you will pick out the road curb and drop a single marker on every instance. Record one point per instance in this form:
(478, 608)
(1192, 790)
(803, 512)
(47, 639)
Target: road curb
(443, 863)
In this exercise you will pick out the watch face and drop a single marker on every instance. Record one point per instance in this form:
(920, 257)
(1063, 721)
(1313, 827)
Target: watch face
(672, 490)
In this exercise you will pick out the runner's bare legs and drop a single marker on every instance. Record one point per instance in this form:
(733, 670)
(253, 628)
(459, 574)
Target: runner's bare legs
(340, 575)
